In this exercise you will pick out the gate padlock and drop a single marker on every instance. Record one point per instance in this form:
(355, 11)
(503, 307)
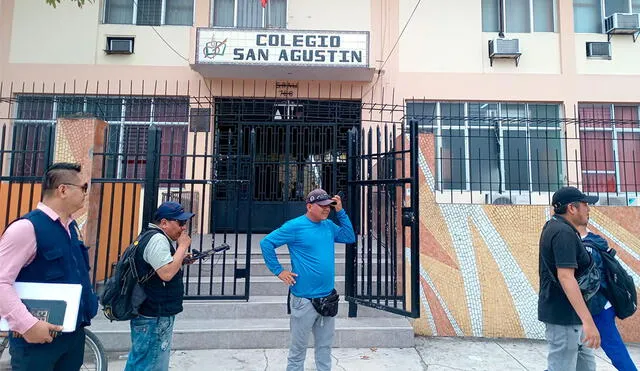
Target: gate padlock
(408, 217)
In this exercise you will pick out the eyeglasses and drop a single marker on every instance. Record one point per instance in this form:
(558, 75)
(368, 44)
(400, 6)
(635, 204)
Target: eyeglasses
(83, 187)
(181, 223)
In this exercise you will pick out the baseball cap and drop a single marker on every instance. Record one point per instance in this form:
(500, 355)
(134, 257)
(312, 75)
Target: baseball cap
(319, 196)
(567, 195)
(172, 211)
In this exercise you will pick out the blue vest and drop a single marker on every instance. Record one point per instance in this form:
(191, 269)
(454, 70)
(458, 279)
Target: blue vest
(60, 259)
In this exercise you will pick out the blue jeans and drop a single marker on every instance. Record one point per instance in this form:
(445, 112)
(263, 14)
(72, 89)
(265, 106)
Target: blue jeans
(612, 341)
(150, 343)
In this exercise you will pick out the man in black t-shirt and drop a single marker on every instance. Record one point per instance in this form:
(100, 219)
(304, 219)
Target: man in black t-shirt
(570, 330)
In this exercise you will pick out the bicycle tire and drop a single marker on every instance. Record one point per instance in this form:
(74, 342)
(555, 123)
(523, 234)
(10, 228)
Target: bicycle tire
(96, 349)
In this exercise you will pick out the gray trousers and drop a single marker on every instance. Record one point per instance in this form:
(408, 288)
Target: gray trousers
(305, 320)
(566, 351)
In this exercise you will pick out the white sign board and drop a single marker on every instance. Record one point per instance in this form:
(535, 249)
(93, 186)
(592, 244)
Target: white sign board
(282, 48)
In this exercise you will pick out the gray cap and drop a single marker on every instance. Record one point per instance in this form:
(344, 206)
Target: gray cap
(320, 196)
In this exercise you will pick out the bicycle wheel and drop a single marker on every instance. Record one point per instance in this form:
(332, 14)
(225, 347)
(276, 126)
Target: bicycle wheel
(95, 358)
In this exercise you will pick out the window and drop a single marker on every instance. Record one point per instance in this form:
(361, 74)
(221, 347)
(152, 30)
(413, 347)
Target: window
(149, 12)
(129, 119)
(610, 147)
(520, 16)
(249, 14)
(494, 147)
(589, 14)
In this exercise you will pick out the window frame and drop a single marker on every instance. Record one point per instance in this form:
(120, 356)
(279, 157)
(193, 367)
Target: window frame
(122, 122)
(603, 12)
(163, 14)
(235, 17)
(501, 120)
(615, 131)
(531, 18)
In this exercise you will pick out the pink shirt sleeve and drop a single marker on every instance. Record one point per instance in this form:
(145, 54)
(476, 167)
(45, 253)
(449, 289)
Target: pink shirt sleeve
(17, 249)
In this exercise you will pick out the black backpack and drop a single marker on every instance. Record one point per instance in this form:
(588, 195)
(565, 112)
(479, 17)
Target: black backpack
(621, 290)
(123, 292)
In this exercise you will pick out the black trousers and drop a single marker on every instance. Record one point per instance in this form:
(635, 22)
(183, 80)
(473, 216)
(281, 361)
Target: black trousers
(65, 353)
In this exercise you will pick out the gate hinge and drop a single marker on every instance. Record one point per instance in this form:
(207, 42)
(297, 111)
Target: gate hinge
(408, 217)
(240, 273)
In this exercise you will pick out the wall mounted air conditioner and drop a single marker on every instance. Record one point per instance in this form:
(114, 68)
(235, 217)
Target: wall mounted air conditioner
(507, 198)
(622, 23)
(599, 49)
(119, 45)
(504, 48)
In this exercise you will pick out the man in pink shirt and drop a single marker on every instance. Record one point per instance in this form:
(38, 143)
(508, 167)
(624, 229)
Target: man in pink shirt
(45, 246)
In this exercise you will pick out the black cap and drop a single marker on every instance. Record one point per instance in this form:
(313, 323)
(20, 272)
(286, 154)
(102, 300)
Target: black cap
(567, 195)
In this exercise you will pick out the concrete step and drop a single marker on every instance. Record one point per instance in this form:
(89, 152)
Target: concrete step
(259, 286)
(256, 307)
(258, 267)
(263, 333)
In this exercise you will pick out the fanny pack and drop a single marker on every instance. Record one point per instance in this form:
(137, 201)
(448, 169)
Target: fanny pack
(327, 306)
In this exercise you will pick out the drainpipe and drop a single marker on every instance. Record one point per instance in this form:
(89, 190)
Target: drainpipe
(501, 19)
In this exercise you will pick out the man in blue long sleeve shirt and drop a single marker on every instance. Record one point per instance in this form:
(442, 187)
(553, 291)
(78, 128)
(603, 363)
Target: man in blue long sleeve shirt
(310, 238)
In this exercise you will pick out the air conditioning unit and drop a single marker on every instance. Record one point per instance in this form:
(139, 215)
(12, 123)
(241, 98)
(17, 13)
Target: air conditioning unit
(507, 198)
(119, 45)
(600, 49)
(622, 23)
(504, 48)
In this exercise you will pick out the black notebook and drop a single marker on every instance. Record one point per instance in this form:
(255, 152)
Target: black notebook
(51, 311)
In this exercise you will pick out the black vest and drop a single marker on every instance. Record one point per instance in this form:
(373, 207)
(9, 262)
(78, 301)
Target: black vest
(163, 298)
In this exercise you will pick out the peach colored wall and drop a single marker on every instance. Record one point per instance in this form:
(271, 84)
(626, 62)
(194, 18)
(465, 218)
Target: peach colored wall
(351, 15)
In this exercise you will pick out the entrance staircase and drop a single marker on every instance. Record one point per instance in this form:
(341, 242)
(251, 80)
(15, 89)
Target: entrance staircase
(262, 321)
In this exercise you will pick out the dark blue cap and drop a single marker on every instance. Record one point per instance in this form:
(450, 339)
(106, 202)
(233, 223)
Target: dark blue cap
(567, 195)
(172, 211)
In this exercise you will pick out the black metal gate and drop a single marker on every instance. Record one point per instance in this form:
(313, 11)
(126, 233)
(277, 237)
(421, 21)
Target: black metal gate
(382, 266)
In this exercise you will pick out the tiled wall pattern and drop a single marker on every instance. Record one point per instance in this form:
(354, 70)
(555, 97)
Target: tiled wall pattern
(479, 263)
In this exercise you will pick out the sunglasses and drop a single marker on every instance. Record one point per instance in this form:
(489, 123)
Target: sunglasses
(83, 187)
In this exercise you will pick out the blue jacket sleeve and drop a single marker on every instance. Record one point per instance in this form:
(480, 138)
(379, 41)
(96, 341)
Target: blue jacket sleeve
(281, 236)
(344, 233)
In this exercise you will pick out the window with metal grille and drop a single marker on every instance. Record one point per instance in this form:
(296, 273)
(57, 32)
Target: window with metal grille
(249, 14)
(149, 12)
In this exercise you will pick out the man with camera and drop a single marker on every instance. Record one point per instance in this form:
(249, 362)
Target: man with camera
(310, 239)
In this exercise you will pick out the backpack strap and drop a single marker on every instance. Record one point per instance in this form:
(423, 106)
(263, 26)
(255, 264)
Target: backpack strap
(142, 240)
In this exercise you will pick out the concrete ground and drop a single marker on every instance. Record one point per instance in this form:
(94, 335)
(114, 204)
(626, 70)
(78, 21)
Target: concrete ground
(430, 354)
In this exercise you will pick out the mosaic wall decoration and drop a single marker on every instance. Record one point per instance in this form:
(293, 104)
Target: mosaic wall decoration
(479, 263)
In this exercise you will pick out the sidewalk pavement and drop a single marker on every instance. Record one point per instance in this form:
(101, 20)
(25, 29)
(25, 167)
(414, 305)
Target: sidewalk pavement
(432, 354)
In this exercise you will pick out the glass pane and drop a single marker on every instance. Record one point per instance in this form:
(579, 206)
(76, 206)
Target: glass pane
(543, 16)
(452, 114)
(107, 109)
(223, 13)
(30, 141)
(135, 151)
(138, 109)
(35, 107)
(484, 161)
(516, 159)
(626, 116)
(596, 150)
(179, 12)
(587, 16)
(635, 6)
(513, 115)
(598, 182)
(546, 160)
(595, 115)
(482, 113)
(452, 160)
(172, 147)
(615, 6)
(423, 113)
(629, 161)
(171, 109)
(69, 106)
(490, 15)
(149, 12)
(250, 14)
(544, 115)
(517, 16)
(119, 11)
(276, 14)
